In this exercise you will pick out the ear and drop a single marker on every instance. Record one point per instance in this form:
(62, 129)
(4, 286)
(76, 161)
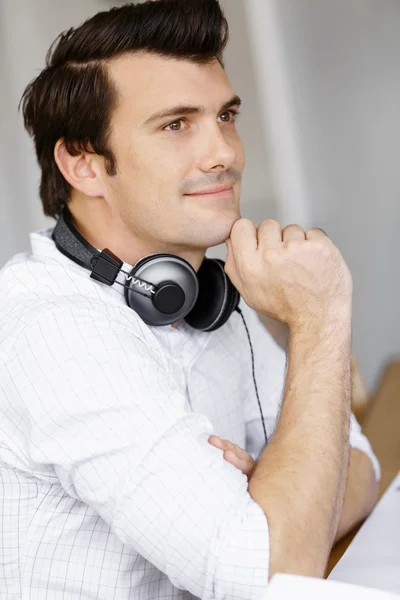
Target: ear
(83, 172)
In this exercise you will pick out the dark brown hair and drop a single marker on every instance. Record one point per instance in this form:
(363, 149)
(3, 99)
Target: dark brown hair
(73, 97)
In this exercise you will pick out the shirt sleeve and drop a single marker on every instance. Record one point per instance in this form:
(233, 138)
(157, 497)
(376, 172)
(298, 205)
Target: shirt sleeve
(359, 441)
(101, 410)
(270, 368)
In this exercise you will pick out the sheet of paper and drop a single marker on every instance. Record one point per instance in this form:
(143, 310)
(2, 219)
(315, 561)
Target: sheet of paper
(373, 557)
(295, 587)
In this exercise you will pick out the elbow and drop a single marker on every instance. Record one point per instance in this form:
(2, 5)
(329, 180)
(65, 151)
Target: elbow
(292, 551)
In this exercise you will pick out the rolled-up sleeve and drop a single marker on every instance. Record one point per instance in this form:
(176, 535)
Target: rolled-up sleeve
(102, 411)
(359, 441)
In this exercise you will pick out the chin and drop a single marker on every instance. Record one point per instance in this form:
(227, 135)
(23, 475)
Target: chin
(213, 231)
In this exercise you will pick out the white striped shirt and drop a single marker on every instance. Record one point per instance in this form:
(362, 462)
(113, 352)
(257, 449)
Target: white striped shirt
(109, 488)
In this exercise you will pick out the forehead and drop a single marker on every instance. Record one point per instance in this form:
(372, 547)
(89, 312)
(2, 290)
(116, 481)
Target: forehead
(147, 83)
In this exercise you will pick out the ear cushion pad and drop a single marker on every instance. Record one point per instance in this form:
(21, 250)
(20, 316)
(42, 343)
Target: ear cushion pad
(177, 291)
(145, 260)
(217, 298)
(232, 301)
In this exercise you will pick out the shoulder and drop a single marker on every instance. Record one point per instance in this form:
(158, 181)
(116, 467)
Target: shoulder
(51, 300)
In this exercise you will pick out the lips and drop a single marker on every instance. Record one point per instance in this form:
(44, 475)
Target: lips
(214, 190)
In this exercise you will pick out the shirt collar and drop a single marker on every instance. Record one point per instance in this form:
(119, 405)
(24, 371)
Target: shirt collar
(43, 246)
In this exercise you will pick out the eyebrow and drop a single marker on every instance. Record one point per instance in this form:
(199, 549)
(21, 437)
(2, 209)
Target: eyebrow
(185, 110)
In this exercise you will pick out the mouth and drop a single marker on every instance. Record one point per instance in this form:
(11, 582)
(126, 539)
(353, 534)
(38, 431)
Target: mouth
(213, 193)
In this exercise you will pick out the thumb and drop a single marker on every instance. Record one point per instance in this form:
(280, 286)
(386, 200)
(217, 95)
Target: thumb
(229, 246)
(230, 263)
(243, 238)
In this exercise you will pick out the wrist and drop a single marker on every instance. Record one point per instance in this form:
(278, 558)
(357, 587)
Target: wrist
(335, 321)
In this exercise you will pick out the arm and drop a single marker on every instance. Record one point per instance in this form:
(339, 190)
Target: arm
(107, 422)
(361, 492)
(361, 486)
(364, 472)
(300, 478)
(301, 279)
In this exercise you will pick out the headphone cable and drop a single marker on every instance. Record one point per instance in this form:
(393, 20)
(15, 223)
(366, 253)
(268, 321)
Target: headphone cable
(254, 376)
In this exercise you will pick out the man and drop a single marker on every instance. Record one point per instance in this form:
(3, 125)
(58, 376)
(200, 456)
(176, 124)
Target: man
(127, 449)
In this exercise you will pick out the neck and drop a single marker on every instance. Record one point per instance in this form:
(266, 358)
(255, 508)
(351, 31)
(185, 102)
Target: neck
(102, 229)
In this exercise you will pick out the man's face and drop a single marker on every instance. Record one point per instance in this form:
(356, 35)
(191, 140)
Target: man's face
(162, 161)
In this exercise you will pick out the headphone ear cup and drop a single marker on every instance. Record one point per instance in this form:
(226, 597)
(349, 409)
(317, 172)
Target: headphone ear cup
(177, 294)
(233, 299)
(217, 298)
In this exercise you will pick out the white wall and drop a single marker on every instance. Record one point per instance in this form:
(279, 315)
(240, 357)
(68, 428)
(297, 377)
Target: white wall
(27, 28)
(342, 68)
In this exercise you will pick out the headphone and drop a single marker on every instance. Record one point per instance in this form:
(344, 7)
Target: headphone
(160, 288)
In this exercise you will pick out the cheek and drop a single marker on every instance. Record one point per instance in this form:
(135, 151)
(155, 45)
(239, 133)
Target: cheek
(164, 163)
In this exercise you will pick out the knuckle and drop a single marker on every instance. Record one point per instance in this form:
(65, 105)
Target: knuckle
(293, 245)
(250, 268)
(271, 255)
(321, 246)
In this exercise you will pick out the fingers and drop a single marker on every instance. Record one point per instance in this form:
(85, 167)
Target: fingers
(216, 441)
(243, 238)
(293, 232)
(246, 237)
(277, 273)
(230, 264)
(234, 454)
(269, 232)
(227, 445)
(241, 245)
(246, 466)
(315, 233)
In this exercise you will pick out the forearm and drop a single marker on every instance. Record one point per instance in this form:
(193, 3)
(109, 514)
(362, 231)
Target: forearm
(361, 493)
(300, 478)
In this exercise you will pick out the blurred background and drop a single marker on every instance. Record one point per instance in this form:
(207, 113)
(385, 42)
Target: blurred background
(320, 121)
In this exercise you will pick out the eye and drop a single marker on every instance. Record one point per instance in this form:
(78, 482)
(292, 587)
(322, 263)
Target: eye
(175, 125)
(229, 116)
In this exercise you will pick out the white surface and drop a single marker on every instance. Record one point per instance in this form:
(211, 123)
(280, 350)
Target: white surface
(373, 558)
(341, 67)
(286, 587)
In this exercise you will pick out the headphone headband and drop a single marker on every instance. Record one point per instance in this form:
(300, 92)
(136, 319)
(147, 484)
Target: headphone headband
(104, 265)
(71, 243)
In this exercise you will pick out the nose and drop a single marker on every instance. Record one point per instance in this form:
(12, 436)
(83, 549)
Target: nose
(218, 151)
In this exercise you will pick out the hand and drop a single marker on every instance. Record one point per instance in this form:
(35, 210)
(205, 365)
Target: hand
(294, 276)
(235, 455)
